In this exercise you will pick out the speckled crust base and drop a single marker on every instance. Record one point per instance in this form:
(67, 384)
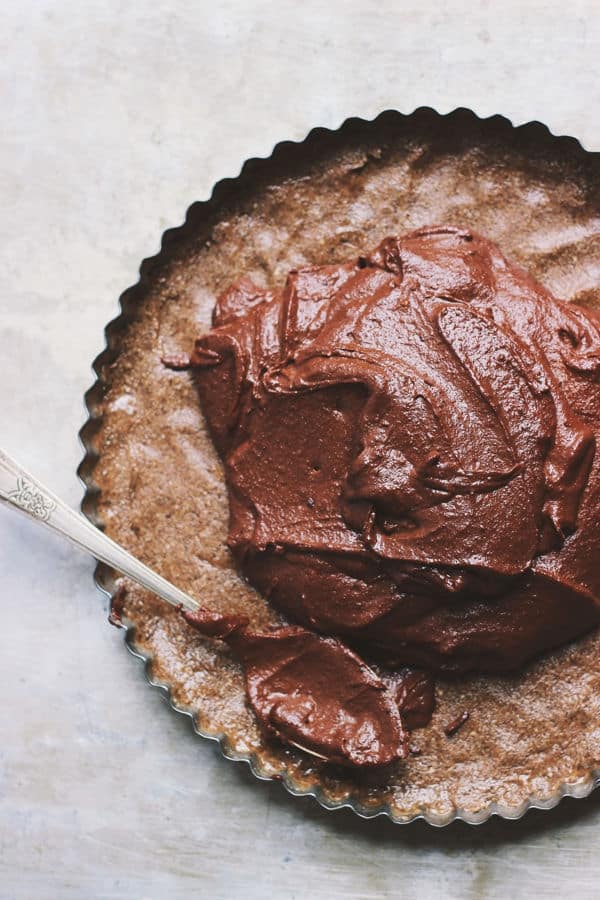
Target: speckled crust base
(161, 485)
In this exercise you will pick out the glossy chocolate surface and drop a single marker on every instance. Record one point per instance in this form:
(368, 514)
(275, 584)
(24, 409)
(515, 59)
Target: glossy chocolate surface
(408, 442)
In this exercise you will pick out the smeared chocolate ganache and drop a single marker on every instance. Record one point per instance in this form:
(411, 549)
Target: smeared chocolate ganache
(409, 442)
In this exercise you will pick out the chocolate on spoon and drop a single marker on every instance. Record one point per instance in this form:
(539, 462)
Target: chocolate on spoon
(313, 691)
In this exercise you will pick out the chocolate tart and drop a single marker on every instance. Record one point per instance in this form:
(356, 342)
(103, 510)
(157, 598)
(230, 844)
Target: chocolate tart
(155, 482)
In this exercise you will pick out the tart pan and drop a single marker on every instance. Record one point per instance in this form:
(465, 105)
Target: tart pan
(154, 482)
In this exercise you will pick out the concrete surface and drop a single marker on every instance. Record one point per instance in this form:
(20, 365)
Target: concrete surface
(114, 117)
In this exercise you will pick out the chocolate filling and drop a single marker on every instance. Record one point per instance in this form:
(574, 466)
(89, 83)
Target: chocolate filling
(408, 439)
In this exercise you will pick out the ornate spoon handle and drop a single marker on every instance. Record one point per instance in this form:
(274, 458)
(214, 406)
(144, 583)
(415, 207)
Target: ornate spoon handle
(23, 492)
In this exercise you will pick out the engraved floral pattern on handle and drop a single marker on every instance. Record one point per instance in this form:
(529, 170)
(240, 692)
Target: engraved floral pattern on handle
(32, 501)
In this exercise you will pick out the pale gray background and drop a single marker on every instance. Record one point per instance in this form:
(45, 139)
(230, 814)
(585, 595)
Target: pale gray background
(114, 116)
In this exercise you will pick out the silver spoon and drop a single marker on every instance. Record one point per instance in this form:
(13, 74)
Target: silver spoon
(25, 493)
(22, 491)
